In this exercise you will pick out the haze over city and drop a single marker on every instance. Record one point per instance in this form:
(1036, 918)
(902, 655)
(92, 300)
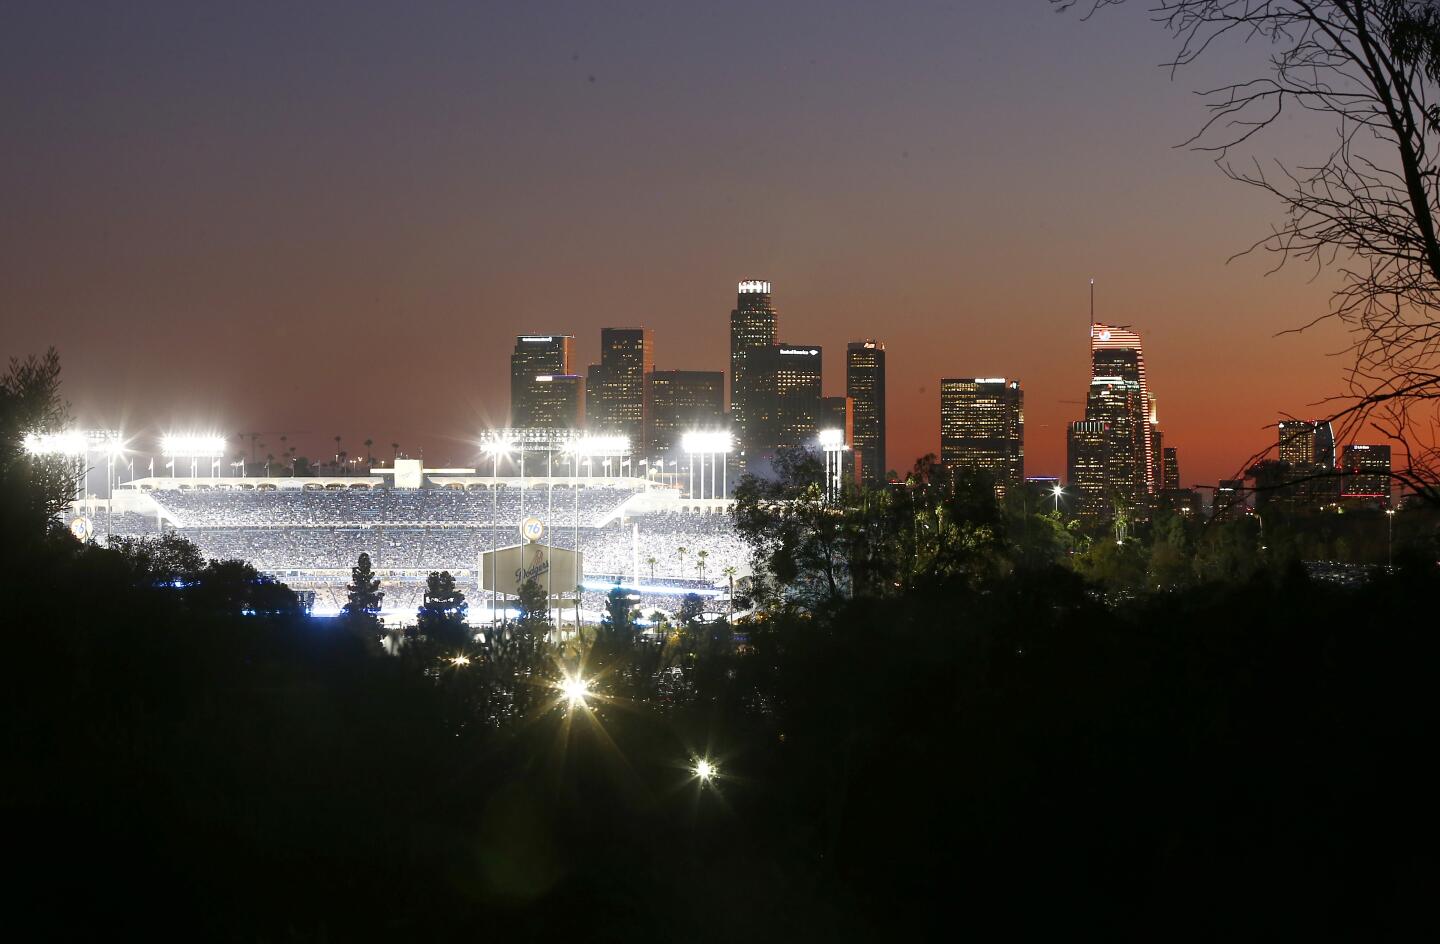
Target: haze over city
(263, 219)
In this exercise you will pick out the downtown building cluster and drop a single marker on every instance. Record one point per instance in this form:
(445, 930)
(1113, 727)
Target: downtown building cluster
(776, 399)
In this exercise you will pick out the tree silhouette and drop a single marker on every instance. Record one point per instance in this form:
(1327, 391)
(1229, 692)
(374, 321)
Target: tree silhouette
(442, 614)
(1366, 205)
(365, 595)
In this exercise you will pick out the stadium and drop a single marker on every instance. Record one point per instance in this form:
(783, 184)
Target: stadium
(412, 521)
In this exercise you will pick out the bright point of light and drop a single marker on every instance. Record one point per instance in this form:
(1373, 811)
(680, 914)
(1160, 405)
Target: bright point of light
(1056, 490)
(705, 441)
(190, 446)
(460, 660)
(68, 443)
(574, 689)
(498, 447)
(705, 770)
(832, 439)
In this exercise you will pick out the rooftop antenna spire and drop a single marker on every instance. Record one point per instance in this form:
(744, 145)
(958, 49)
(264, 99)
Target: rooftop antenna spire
(1092, 301)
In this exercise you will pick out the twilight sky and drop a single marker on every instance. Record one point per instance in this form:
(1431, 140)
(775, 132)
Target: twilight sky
(332, 218)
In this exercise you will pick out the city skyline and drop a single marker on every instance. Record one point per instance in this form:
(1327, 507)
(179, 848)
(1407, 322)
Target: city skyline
(234, 268)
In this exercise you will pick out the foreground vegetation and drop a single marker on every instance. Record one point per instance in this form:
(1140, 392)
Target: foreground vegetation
(949, 735)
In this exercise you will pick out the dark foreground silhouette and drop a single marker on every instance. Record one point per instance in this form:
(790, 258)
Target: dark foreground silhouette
(1249, 758)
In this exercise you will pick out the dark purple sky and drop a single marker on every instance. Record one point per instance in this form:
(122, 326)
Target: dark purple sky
(333, 218)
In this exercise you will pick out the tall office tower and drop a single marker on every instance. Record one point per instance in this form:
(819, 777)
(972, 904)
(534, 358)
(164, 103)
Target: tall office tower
(1307, 443)
(1116, 352)
(617, 392)
(1086, 450)
(1157, 452)
(752, 334)
(1367, 472)
(982, 426)
(1229, 501)
(557, 401)
(786, 410)
(536, 356)
(1115, 402)
(1170, 470)
(865, 384)
(683, 401)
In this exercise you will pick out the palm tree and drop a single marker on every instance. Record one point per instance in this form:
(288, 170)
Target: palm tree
(682, 552)
(700, 557)
(729, 571)
(652, 562)
(368, 459)
(337, 449)
(395, 448)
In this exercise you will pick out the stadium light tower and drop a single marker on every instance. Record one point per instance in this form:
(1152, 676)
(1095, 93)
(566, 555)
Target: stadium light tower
(193, 447)
(708, 443)
(832, 441)
(495, 447)
(80, 445)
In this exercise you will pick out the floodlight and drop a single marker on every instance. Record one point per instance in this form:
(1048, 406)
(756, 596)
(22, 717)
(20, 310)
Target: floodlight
(495, 446)
(192, 446)
(832, 439)
(68, 443)
(705, 771)
(707, 441)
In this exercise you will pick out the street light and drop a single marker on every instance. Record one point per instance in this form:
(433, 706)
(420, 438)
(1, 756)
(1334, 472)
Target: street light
(1057, 491)
(705, 770)
(1389, 539)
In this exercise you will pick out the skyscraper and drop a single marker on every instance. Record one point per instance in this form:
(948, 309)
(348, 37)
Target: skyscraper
(865, 384)
(785, 407)
(1367, 472)
(1307, 443)
(1170, 470)
(752, 333)
(1115, 402)
(982, 426)
(682, 401)
(536, 356)
(1086, 448)
(1116, 353)
(557, 401)
(617, 392)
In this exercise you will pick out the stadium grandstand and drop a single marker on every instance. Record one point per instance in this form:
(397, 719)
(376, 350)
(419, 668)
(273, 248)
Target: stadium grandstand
(310, 532)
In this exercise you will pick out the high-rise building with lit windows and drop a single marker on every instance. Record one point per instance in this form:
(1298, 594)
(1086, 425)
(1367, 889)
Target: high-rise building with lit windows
(531, 399)
(1116, 352)
(684, 401)
(557, 401)
(1087, 446)
(1307, 443)
(617, 392)
(1120, 410)
(1170, 469)
(982, 427)
(865, 384)
(753, 332)
(1367, 472)
(785, 409)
